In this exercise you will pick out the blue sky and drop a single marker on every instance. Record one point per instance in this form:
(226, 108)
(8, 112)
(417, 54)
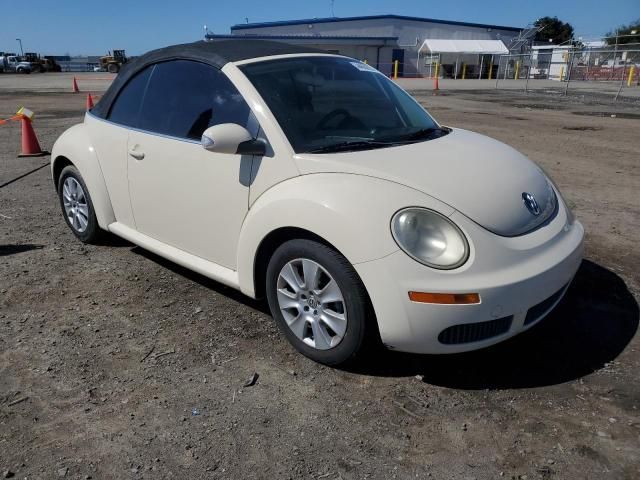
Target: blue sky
(90, 27)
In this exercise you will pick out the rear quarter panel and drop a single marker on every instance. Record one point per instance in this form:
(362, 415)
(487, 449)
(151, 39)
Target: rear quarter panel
(75, 146)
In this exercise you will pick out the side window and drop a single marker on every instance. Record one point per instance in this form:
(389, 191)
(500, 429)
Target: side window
(126, 107)
(184, 98)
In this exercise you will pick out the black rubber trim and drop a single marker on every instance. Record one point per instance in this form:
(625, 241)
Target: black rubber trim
(541, 308)
(475, 332)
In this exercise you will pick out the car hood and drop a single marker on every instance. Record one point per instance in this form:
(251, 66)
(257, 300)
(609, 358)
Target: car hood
(482, 178)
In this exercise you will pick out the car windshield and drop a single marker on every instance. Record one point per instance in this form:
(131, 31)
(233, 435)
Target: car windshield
(331, 104)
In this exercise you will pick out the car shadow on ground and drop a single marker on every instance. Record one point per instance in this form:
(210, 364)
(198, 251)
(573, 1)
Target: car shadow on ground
(108, 239)
(206, 282)
(591, 326)
(6, 250)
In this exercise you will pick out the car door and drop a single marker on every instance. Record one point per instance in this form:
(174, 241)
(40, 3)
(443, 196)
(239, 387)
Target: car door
(109, 138)
(182, 194)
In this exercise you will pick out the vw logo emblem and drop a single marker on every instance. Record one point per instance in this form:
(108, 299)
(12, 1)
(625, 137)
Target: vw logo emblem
(313, 302)
(531, 203)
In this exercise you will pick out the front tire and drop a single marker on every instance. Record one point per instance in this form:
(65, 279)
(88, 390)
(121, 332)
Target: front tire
(77, 207)
(318, 301)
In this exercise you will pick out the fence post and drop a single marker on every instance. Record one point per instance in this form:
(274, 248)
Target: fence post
(569, 69)
(624, 69)
(631, 71)
(395, 69)
(526, 84)
(515, 77)
(615, 52)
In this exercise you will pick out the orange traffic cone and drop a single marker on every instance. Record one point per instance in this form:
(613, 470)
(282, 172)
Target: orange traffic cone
(74, 86)
(30, 144)
(89, 101)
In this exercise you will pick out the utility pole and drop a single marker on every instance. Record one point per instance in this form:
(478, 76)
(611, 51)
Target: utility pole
(21, 51)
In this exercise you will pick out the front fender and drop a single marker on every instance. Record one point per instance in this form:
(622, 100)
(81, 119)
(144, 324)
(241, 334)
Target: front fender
(75, 146)
(351, 212)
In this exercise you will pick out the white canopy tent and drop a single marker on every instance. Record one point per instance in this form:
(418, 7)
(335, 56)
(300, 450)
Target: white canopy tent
(480, 47)
(463, 47)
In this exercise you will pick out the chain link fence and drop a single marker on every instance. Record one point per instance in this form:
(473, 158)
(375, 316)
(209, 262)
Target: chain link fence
(612, 70)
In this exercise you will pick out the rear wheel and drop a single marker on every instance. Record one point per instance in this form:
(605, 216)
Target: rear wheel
(318, 301)
(113, 68)
(77, 207)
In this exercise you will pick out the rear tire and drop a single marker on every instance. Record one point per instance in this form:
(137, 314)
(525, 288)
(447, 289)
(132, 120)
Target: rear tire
(325, 303)
(113, 68)
(77, 207)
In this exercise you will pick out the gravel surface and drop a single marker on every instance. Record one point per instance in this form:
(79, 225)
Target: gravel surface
(115, 363)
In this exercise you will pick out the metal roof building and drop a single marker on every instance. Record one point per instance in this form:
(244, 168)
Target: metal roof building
(382, 39)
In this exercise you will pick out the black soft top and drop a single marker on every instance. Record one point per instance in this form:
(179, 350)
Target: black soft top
(216, 54)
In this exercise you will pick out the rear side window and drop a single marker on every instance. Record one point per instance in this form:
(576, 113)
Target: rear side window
(184, 98)
(126, 108)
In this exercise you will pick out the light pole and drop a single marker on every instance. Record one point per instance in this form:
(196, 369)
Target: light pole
(20, 42)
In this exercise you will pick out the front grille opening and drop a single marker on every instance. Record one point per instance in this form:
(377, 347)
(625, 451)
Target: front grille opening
(475, 332)
(540, 309)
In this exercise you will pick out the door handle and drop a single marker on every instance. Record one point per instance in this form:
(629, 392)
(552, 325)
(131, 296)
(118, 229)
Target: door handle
(136, 155)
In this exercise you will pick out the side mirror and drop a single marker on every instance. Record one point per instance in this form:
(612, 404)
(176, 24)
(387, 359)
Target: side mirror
(233, 139)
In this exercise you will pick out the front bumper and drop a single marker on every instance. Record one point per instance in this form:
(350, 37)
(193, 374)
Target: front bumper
(519, 281)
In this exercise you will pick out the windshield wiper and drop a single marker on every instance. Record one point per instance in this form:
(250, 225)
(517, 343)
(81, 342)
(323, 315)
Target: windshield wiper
(382, 142)
(423, 133)
(351, 146)
(426, 132)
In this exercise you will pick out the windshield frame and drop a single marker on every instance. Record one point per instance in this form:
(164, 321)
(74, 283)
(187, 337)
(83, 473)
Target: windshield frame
(386, 86)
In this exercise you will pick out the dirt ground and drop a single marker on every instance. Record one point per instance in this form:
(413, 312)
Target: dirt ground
(115, 363)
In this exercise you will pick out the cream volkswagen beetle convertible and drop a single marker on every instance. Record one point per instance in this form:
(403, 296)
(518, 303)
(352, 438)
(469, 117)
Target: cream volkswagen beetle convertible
(315, 181)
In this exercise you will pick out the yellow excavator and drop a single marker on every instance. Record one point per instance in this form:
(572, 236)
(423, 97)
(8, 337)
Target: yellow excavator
(112, 63)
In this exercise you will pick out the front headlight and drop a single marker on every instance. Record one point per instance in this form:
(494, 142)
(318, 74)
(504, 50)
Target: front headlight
(429, 238)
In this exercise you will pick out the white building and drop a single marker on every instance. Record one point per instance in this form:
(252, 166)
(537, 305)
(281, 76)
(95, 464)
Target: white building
(381, 39)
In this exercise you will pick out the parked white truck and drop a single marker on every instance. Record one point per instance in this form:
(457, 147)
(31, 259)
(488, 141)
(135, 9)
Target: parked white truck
(13, 63)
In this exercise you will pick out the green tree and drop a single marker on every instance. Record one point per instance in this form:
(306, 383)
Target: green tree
(553, 29)
(624, 34)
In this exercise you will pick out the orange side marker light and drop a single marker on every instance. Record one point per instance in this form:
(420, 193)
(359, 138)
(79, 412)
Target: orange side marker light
(445, 298)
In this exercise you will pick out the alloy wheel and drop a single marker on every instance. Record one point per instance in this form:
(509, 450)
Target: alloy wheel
(75, 204)
(312, 303)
